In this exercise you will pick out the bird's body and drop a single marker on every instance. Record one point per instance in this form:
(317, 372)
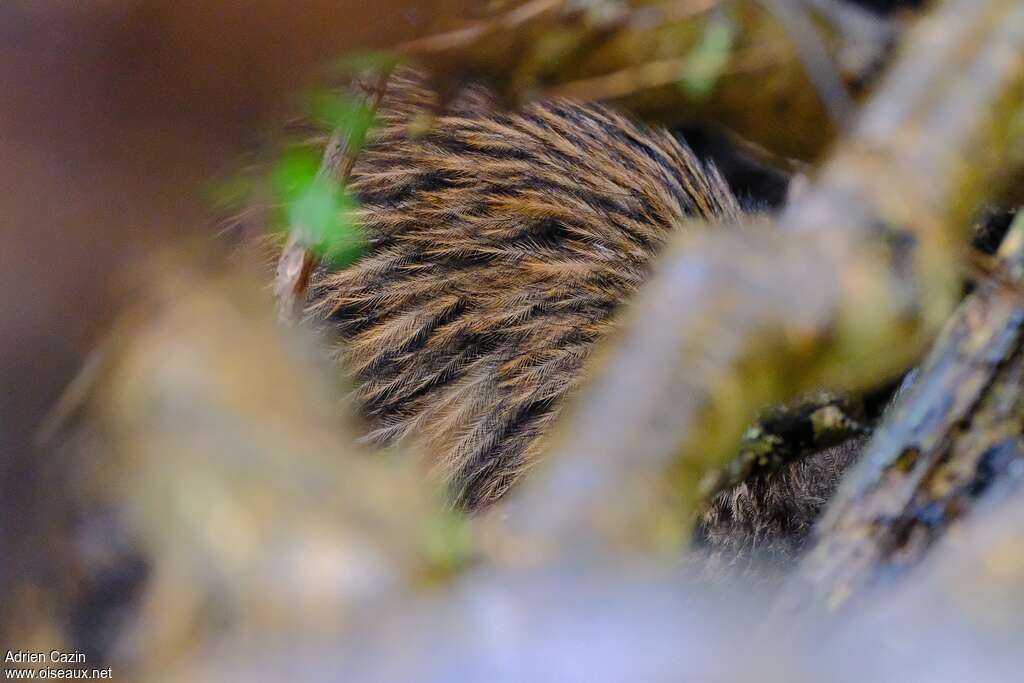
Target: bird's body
(502, 244)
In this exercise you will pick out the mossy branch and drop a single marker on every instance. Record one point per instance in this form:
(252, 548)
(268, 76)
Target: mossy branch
(946, 441)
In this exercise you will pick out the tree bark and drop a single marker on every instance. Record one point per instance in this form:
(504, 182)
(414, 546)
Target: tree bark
(955, 432)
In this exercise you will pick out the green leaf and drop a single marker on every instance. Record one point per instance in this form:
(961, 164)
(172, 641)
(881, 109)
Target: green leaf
(707, 61)
(294, 173)
(343, 114)
(318, 209)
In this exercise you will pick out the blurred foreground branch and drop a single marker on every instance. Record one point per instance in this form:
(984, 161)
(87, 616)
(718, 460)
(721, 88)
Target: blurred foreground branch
(213, 436)
(115, 116)
(960, 620)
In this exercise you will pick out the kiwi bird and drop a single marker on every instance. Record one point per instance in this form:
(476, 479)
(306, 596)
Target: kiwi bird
(501, 245)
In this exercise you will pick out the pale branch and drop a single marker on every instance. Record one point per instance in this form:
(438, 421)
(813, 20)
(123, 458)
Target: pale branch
(848, 291)
(213, 439)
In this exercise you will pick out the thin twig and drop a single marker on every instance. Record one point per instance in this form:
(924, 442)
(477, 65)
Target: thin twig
(821, 70)
(296, 262)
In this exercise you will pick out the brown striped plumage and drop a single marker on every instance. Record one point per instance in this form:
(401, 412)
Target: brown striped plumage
(764, 522)
(501, 245)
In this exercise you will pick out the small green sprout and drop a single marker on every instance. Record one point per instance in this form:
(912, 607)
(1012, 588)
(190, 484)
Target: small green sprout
(707, 61)
(319, 208)
(316, 205)
(343, 114)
